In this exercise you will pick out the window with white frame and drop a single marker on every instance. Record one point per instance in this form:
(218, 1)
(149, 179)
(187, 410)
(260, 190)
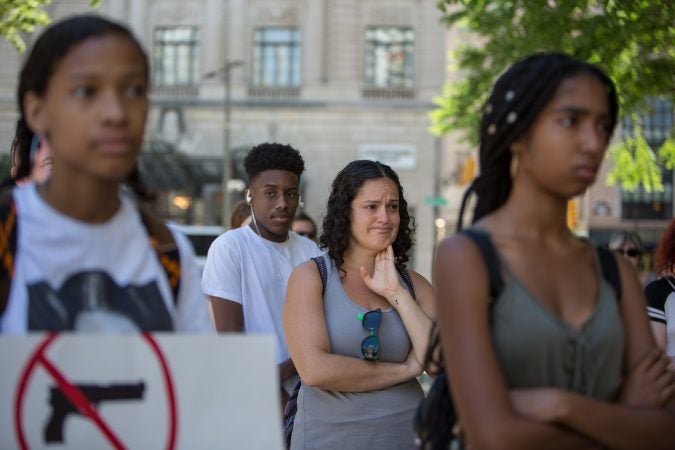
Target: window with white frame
(389, 57)
(276, 57)
(176, 56)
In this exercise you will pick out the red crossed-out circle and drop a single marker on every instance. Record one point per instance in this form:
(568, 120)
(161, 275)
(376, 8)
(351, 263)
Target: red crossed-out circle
(80, 400)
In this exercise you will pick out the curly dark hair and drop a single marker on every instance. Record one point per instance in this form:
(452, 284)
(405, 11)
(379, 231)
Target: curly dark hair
(273, 156)
(664, 262)
(335, 235)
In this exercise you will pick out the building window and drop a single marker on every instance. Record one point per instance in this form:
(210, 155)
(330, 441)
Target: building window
(176, 56)
(639, 204)
(276, 57)
(389, 57)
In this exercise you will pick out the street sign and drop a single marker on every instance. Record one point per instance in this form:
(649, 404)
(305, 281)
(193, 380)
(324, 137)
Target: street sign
(396, 156)
(435, 201)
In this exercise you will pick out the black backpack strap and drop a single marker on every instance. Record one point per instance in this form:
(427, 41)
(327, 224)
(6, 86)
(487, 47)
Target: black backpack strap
(290, 410)
(323, 271)
(163, 242)
(407, 279)
(610, 270)
(8, 240)
(490, 257)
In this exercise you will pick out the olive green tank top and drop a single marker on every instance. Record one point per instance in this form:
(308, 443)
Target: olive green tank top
(536, 348)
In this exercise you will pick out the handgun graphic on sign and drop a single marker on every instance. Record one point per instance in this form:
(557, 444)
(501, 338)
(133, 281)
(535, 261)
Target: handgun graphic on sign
(62, 406)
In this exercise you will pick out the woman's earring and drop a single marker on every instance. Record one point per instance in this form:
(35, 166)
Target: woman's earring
(513, 169)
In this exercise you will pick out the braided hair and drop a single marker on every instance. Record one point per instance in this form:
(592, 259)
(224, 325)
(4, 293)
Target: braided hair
(518, 96)
(517, 99)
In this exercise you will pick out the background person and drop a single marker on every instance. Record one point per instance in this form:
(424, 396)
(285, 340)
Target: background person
(661, 292)
(84, 257)
(555, 356)
(359, 346)
(240, 215)
(304, 226)
(247, 268)
(629, 244)
(20, 151)
(41, 160)
(30, 157)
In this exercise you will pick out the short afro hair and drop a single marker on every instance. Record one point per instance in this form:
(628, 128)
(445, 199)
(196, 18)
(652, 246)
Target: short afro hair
(273, 156)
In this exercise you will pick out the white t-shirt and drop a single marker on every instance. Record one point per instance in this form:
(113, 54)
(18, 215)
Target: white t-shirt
(252, 271)
(74, 275)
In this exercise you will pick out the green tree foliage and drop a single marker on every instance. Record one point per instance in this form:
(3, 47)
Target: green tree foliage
(631, 40)
(635, 164)
(23, 16)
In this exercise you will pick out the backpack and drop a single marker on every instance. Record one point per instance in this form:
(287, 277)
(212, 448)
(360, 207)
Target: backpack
(436, 416)
(161, 239)
(292, 404)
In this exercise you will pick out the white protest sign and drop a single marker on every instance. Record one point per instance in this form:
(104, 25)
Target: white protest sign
(150, 391)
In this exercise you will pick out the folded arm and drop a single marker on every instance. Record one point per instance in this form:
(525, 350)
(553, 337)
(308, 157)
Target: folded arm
(644, 415)
(309, 346)
(488, 417)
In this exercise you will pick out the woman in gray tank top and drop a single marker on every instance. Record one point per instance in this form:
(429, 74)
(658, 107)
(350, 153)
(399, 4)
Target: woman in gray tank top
(556, 360)
(359, 345)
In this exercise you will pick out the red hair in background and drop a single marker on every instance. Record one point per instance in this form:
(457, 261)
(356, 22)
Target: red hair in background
(664, 262)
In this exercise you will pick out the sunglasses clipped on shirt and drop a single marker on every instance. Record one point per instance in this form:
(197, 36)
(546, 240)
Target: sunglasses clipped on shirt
(630, 252)
(370, 347)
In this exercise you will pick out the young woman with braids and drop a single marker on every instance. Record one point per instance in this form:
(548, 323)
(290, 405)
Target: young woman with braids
(85, 258)
(359, 340)
(660, 293)
(555, 360)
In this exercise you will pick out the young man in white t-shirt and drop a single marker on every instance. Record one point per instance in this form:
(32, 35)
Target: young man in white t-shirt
(247, 269)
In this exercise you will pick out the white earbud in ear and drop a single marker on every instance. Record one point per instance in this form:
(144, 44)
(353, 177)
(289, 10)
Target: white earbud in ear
(248, 197)
(301, 204)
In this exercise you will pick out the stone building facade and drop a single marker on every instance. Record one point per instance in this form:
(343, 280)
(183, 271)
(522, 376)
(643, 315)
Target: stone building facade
(337, 79)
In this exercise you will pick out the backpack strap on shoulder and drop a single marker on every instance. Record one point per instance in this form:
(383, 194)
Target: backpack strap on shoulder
(407, 279)
(610, 270)
(323, 271)
(165, 247)
(490, 258)
(8, 240)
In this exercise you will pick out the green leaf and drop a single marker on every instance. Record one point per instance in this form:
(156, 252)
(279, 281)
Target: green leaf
(667, 153)
(635, 164)
(630, 40)
(24, 16)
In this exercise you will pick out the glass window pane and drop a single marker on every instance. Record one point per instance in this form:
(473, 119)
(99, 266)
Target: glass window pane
(176, 56)
(389, 57)
(276, 57)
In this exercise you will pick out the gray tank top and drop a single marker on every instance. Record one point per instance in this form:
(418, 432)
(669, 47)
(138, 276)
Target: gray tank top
(379, 419)
(536, 348)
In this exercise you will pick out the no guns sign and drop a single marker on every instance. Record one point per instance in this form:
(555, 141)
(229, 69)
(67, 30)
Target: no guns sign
(146, 391)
